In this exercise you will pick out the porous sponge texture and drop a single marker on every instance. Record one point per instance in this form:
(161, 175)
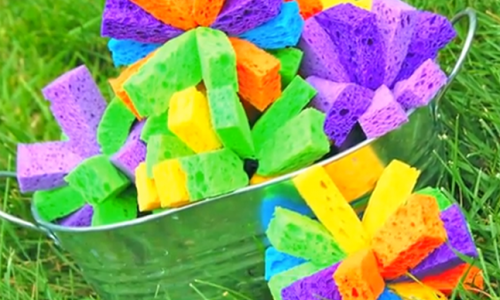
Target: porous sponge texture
(114, 127)
(161, 147)
(127, 52)
(169, 173)
(147, 194)
(172, 12)
(57, 203)
(290, 59)
(442, 200)
(155, 125)
(308, 8)
(470, 277)
(205, 12)
(285, 279)
(278, 262)
(120, 208)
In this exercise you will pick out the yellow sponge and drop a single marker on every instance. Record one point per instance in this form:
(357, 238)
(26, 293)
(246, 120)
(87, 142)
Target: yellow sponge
(189, 119)
(171, 183)
(331, 208)
(393, 188)
(147, 195)
(366, 4)
(416, 290)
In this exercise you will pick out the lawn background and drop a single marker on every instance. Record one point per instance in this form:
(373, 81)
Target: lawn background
(41, 39)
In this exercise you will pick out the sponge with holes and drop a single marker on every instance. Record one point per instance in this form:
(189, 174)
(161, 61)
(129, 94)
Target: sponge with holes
(57, 203)
(114, 127)
(161, 147)
(277, 262)
(127, 52)
(120, 208)
(132, 153)
(319, 285)
(290, 59)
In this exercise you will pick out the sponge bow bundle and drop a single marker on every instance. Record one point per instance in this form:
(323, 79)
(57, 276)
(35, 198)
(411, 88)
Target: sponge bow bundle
(406, 246)
(217, 95)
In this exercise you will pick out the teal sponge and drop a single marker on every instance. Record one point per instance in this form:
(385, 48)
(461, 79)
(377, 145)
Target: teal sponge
(290, 59)
(297, 144)
(230, 121)
(114, 127)
(155, 124)
(97, 179)
(301, 236)
(218, 59)
(174, 67)
(57, 203)
(291, 102)
(116, 209)
(164, 146)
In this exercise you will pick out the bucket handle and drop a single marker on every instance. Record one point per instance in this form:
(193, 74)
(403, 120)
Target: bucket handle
(468, 12)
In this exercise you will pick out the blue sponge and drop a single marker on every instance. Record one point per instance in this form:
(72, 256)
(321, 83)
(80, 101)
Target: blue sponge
(127, 52)
(282, 31)
(277, 262)
(388, 295)
(270, 204)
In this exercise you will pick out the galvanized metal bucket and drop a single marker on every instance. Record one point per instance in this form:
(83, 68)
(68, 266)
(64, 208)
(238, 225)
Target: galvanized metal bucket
(214, 248)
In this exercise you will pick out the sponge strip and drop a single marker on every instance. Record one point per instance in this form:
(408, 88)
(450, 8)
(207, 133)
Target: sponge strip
(114, 127)
(120, 208)
(308, 8)
(132, 153)
(57, 203)
(320, 285)
(282, 280)
(161, 147)
(471, 277)
(290, 59)
(172, 12)
(417, 290)
(442, 200)
(205, 12)
(147, 193)
(127, 52)
(81, 218)
(171, 183)
(155, 124)
(278, 262)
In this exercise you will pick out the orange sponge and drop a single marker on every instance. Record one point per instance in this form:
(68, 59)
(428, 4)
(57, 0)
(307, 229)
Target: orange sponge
(470, 276)
(358, 278)
(258, 74)
(408, 236)
(177, 13)
(206, 11)
(309, 8)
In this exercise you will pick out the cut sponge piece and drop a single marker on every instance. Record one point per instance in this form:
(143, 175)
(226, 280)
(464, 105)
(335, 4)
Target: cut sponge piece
(114, 127)
(78, 106)
(291, 102)
(416, 290)
(393, 188)
(258, 74)
(218, 59)
(172, 12)
(147, 193)
(387, 294)
(172, 68)
(319, 285)
(300, 236)
(281, 32)
(161, 147)
(238, 16)
(308, 8)
(132, 153)
(358, 41)
(290, 59)
(123, 19)
(81, 218)
(171, 183)
(57, 203)
(421, 87)
(43, 166)
(325, 199)
(205, 12)
(365, 4)
(120, 208)
(470, 277)
(284, 279)
(343, 104)
(297, 144)
(357, 277)
(320, 55)
(127, 52)
(277, 262)
(97, 179)
(230, 122)
(442, 201)
(383, 115)
(408, 236)
(189, 119)
(155, 125)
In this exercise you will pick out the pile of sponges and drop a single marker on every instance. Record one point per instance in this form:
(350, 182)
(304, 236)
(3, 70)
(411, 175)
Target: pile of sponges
(213, 99)
(406, 246)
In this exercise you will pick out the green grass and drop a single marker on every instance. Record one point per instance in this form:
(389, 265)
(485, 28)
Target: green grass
(41, 39)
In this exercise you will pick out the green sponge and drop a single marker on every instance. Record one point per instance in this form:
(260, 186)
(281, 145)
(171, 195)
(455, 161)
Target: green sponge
(164, 146)
(155, 124)
(213, 173)
(217, 58)
(114, 127)
(230, 121)
(174, 67)
(64, 137)
(442, 201)
(57, 203)
(301, 236)
(97, 179)
(291, 102)
(290, 59)
(116, 209)
(297, 144)
(284, 279)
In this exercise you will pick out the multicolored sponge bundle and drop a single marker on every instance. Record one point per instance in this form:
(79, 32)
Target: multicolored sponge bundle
(406, 244)
(220, 94)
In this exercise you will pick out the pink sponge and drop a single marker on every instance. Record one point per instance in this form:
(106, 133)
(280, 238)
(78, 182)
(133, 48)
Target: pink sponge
(42, 166)
(132, 153)
(78, 106)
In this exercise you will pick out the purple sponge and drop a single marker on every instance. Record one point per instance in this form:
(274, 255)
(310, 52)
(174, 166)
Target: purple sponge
(320, 56)
(132, 153)
(360, 45)
(459, 239)
(384, 114)
(42, 166)
(78, 106)
(81, 218)
(396, 21)
(421, 87)
(432, 32)
(344, 103)
(238, 16)
(125, 20)
(320, 285)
